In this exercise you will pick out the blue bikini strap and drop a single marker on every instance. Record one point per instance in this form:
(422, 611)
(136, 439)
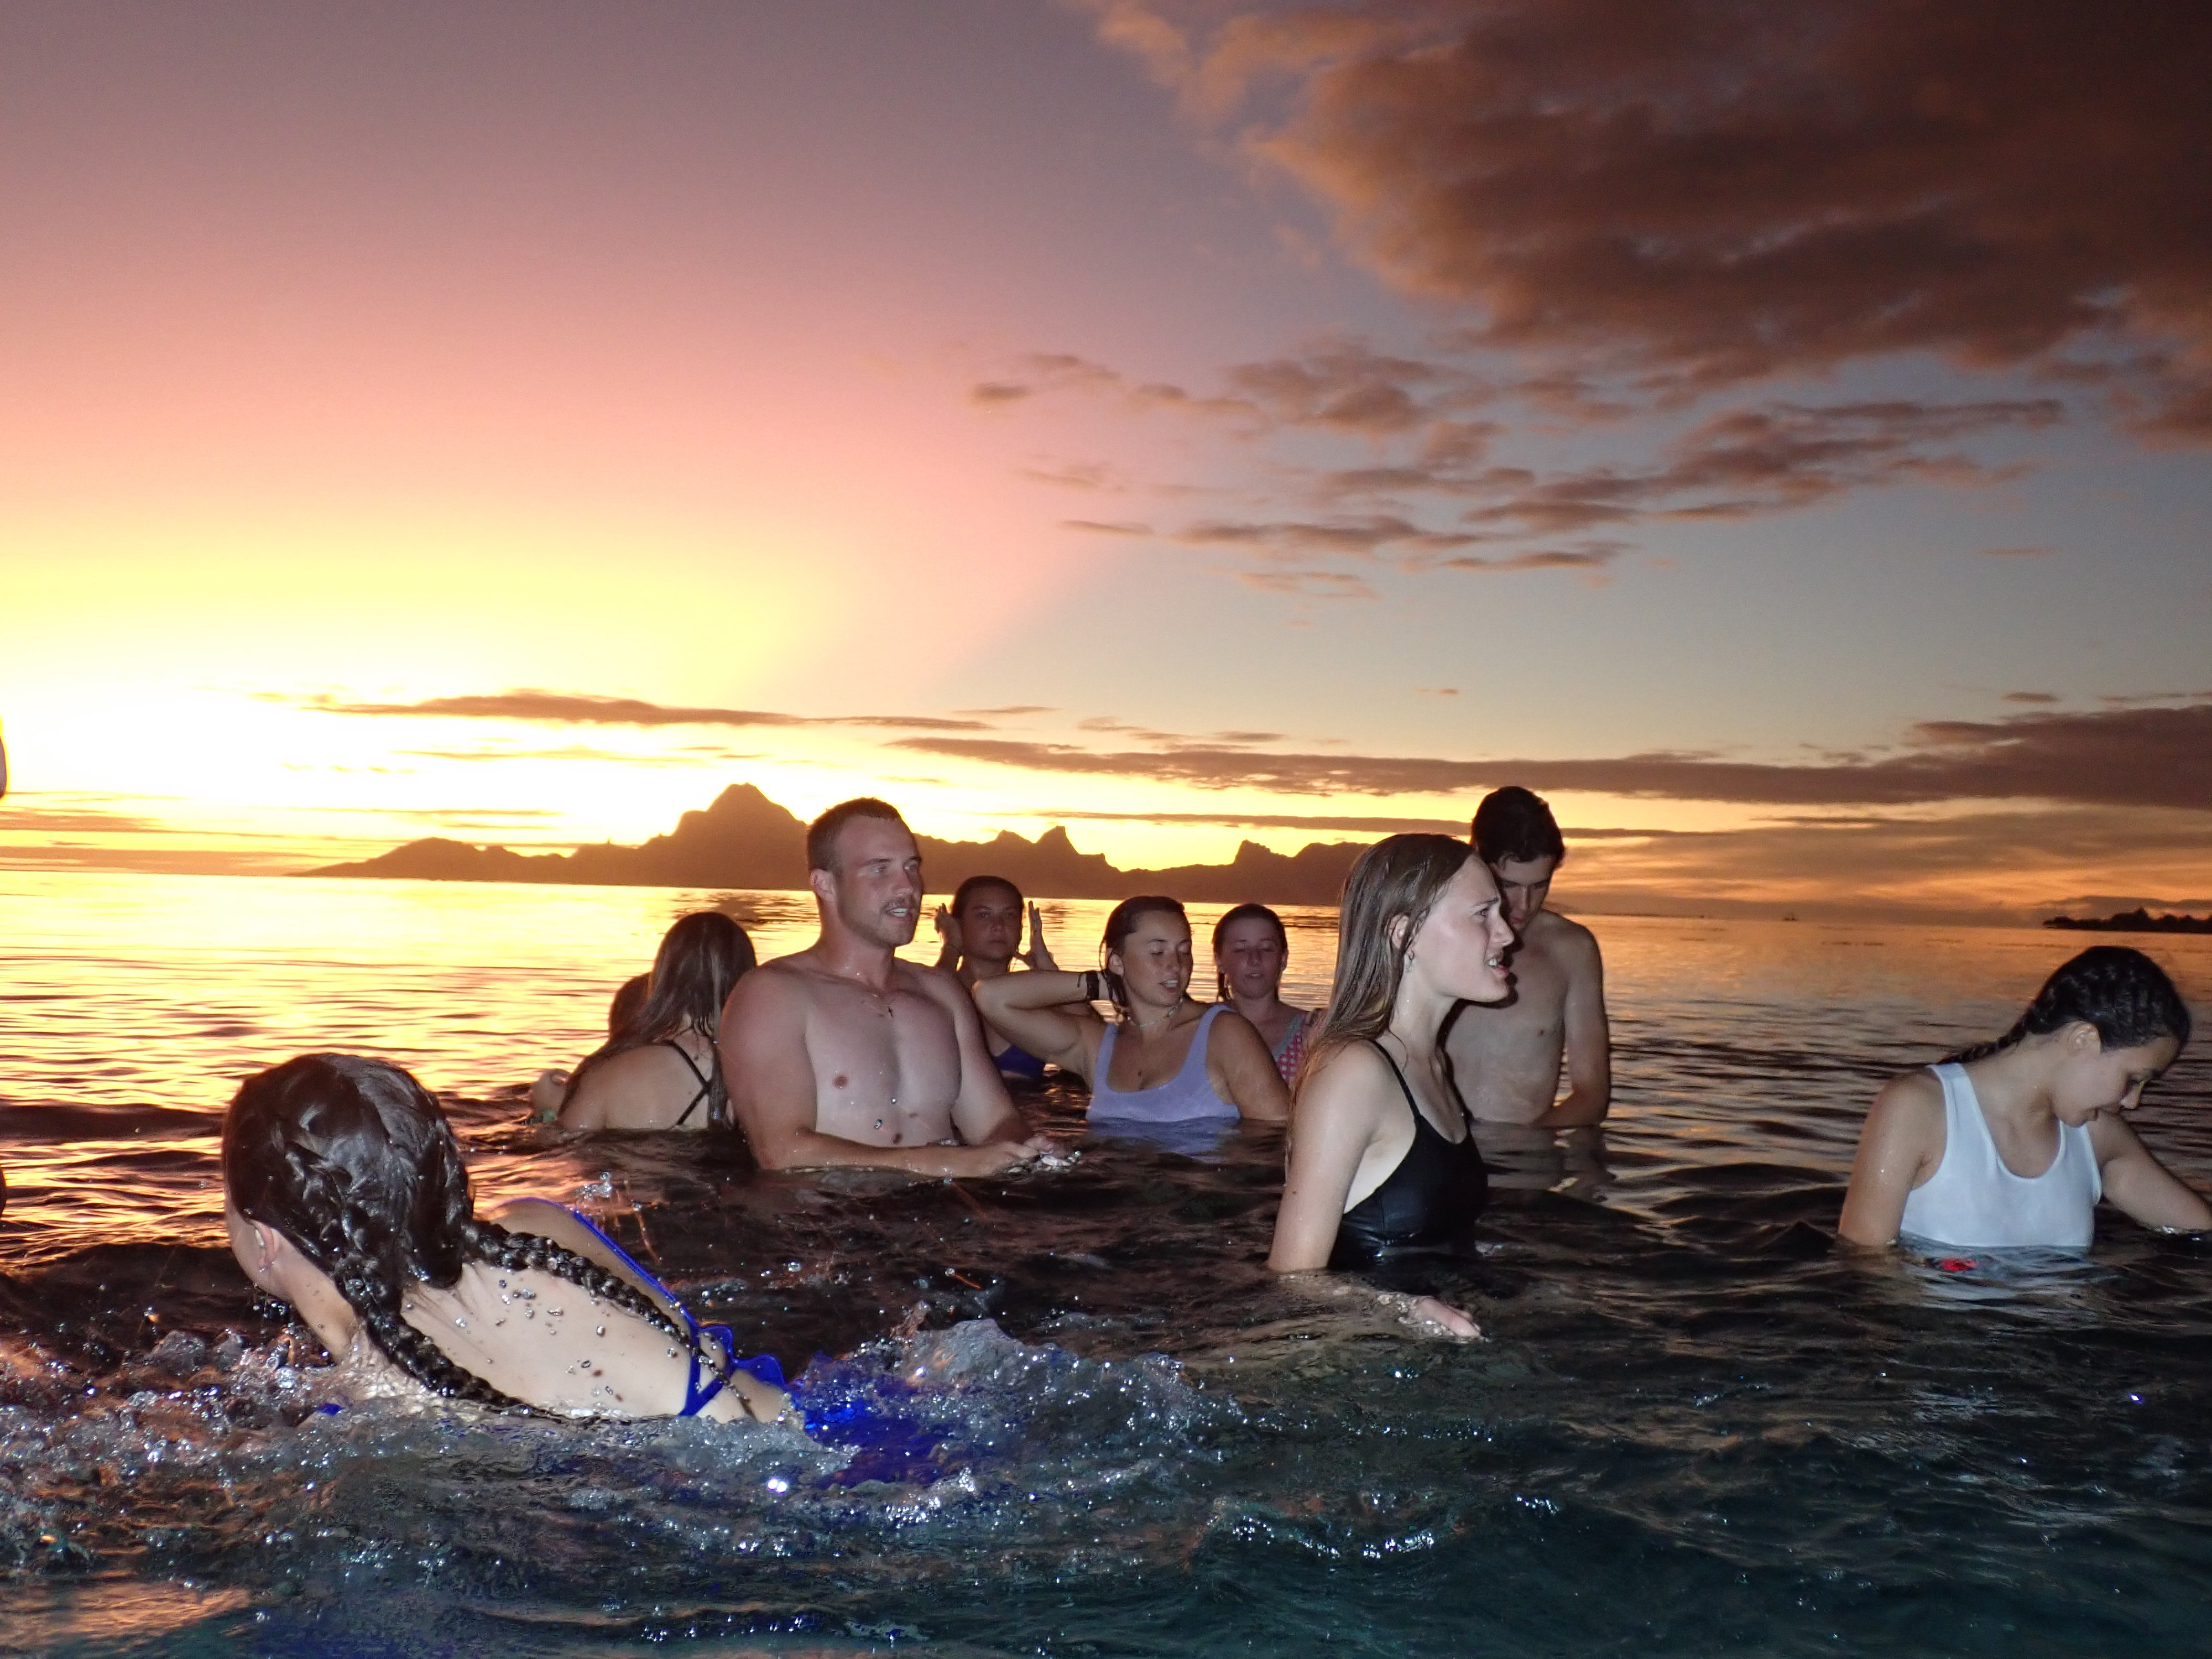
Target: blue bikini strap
(764, 1367)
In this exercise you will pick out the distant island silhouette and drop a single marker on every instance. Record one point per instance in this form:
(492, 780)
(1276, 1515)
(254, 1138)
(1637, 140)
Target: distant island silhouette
(746, 840)
(2135, 922)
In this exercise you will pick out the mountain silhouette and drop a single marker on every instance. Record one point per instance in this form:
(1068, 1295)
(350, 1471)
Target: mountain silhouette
(746, 840)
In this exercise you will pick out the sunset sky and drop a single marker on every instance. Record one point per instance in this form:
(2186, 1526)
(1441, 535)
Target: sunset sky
(1778, 433)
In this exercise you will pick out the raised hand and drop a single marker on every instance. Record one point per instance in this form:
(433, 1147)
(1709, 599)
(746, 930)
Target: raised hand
(949, 946)
(1038, 956)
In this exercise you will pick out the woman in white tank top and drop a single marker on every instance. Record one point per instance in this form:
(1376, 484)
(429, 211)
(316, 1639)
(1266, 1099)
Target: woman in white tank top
(2011, 1143)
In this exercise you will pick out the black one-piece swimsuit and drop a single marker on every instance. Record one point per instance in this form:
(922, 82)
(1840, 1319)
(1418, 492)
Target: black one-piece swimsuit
(1429, 1203)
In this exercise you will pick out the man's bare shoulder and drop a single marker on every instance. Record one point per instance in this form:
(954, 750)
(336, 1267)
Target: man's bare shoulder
(784, 985)
(940, 985)
(1562, 938)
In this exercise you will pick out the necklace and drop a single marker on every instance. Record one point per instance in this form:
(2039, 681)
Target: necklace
(1143, 1025)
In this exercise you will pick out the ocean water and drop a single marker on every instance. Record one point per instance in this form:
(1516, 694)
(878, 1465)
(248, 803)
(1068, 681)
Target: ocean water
(1693, 1426)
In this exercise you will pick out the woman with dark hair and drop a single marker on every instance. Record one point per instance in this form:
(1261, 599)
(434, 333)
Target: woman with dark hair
(1166, 1059)
(345, 1195)
(981, 935)
(1946, 1152)
(660, 1070)
(1250, 950)
(1382, 1158)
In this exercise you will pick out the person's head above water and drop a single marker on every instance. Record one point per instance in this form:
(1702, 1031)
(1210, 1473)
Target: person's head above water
(627, 1000)
(1250, 950)
(2111, 1013)
(989, 911)
(351, 1162)
(865, 870)
(701, 959)
(1519, 839)
(1419, 908)
(1146, 946)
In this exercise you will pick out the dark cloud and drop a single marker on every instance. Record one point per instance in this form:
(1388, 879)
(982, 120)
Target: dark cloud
(20, 816)
(1343, 826)
(1009, 711)
(1309, 584)
(687, 756)
(582, 708)
(1344, 538)
(1431, 462)
(1074, 475)
(1103, 527)
(2143, 756)
(2016, 864)
(1061, 371)
(1744, 462)
(1709, 192)
(1595, 557)
(2037, 697)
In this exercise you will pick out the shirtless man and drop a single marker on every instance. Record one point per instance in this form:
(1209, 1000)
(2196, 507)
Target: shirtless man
(844, 1054)
(1506, 1056)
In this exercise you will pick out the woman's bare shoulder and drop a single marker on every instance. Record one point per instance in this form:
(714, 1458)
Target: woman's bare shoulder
(1349, 1069)
(1909, 1105)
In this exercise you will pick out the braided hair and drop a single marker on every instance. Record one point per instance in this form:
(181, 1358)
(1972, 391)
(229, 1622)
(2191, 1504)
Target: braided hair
(700, 961)
(2122, 993)
(354, 1162)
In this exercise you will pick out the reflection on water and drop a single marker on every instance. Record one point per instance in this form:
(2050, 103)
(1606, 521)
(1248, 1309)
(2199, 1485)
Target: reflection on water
(1697, 1427)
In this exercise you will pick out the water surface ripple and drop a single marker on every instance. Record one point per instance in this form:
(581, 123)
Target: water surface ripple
(1695, 1427)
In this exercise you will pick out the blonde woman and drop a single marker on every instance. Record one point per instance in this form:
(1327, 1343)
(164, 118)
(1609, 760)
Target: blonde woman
(1382, 1158)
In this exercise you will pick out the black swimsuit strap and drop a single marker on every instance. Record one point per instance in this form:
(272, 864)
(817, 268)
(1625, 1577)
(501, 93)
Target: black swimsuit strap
(1421, 1118)
(706, 1079)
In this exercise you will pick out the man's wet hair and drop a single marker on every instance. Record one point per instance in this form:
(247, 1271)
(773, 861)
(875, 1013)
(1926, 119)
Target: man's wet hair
(964, 894)
(1517, 823)
(821, 834)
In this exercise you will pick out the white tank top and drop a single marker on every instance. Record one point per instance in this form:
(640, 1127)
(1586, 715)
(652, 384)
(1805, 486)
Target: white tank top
(1973, 1200)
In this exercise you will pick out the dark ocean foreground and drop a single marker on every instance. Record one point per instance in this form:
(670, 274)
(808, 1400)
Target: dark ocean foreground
(1101, 1427)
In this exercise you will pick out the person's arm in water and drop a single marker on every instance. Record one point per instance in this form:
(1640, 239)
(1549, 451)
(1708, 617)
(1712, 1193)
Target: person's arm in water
(1900, 1146)
(1035, 1010)
(983, 1112)
(1338, 1116)
(770, 1078)
(2139, 1184)
(1589, 1039)
(1243, 1071)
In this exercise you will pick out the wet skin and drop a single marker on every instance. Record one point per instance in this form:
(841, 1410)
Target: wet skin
(1043, 1012)
(2025, 1092)
(1251, 960)
(844, 1054)
(1508, 1058)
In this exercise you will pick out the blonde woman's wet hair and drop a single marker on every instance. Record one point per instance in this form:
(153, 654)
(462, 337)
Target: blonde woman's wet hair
(1397, 881)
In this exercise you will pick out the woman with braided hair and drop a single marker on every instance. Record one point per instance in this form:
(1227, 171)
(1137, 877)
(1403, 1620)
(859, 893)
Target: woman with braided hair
(345, 1196)
(2011, 1143)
